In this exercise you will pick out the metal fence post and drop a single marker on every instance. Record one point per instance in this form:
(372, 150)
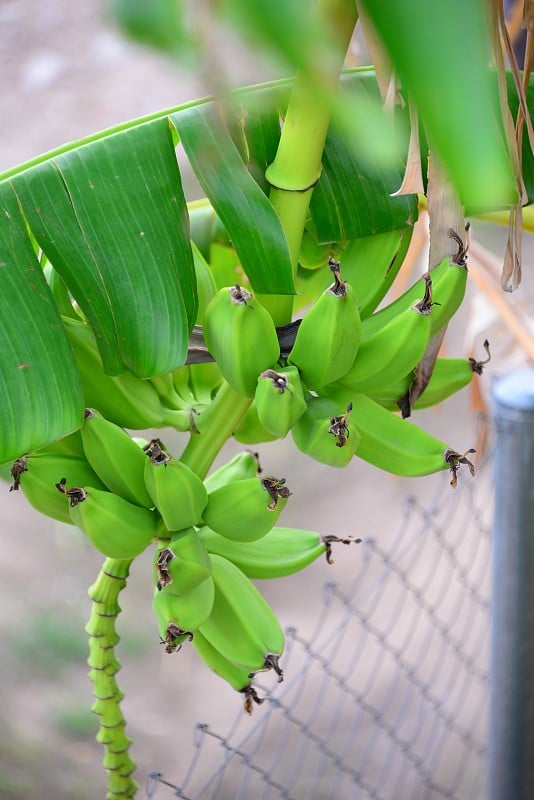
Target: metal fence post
(511, 739)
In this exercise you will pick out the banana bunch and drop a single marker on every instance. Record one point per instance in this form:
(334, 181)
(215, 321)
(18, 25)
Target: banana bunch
(449, 376)
(241, 336)
(38, 473)
(117, 528)
(123, 399)
(392, 350)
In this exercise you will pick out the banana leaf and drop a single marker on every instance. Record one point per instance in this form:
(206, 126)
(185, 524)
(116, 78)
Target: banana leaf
(110, 215)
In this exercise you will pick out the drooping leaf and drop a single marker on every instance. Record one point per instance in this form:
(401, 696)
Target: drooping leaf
(441, 52)
(353, 196)
(111, 217)
(248, 216)
(40, 392)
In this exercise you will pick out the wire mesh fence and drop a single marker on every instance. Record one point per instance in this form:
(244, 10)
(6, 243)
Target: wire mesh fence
(388, 697)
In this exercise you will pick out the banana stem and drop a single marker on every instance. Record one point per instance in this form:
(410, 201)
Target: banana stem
(297, 165)
(102, 640)
(216, 426)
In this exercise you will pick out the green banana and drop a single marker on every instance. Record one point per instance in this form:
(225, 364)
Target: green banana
(70, 445)
(241, 336)
(449, 280)
(313, 255)
(117, 460)
(178, 494)
(185, 611)
(206, 287)
(183, 563)
(242, 626)
(204, 381)
(398, 446)
(250, 430)
(449, 376)
(309, 285)
(238, 677)
(370, 264)
(243, 465)
(279, 400)
(38, 473)
(124, 399)
(326, 431)
(281, 552)
(328, 337)
(393, 350)
(117, 528)
(246, 509)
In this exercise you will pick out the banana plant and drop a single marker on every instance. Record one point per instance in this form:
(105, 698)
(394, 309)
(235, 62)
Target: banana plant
(126, 306)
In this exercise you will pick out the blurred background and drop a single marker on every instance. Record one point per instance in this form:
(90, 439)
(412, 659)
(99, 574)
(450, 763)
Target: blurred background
(67, 72)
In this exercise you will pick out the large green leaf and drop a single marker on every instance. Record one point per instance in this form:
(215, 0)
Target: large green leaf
(112, 219)
(441, 52)
(40, 391)
(250, 219)
(353, 196)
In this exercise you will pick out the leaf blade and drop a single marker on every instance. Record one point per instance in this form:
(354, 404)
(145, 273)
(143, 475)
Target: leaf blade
(40, 391)
(245, 211)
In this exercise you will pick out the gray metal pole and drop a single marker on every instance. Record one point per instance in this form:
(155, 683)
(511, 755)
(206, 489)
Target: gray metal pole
(511, 745)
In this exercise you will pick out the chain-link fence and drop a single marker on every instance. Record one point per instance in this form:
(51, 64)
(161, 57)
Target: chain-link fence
(389, 695)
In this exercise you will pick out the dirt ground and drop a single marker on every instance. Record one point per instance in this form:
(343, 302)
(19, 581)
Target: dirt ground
(66, 73)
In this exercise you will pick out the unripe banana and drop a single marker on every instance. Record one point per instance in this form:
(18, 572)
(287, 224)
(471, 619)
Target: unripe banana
(242, 626)
(124, 399)
(250, 430)
(246, 509)
(70, 445)
(186, 611)
(279, 400)
(243, 465)
(241, 336)
(117, 528)
(313, 255)
(117, 460)
(398, 446)
(182, 564)
(206, 287)
(204, 381)
(281, 552)
(449, 376)
(450, 290)
(178, 494)
(393, 350)
(449, 279)
(38, 473)
(370, 264)
(329, 335)
(326, 431)
(238, 677)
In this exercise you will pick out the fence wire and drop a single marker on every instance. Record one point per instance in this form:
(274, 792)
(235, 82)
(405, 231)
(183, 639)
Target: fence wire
(389, 695)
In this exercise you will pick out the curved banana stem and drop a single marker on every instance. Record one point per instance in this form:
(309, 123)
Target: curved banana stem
(297, 165)
(102, 640)
(216, 424)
